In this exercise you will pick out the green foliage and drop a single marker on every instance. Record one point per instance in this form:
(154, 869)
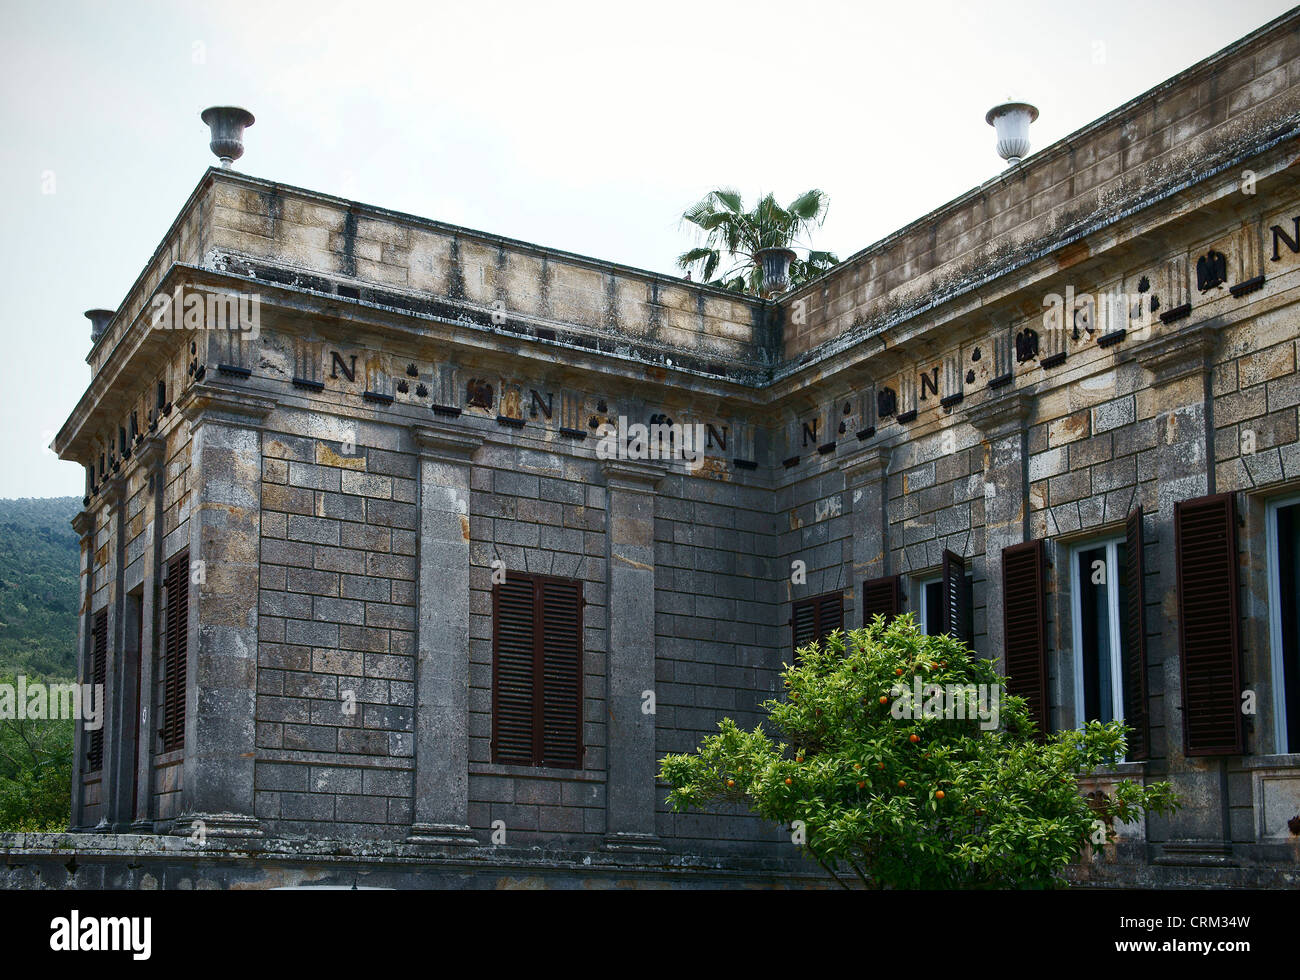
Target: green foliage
(958, 807)
(35, 772)
(39, 565)
(733, 236)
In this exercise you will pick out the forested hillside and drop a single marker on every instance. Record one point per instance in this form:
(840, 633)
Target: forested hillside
(38, 586)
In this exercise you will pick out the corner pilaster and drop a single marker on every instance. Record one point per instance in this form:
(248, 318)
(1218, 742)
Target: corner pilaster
(442, 664)
(630, 667)
(224, 551)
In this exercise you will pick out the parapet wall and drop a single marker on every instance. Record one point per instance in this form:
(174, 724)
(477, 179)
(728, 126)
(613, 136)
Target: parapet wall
(1174, 134)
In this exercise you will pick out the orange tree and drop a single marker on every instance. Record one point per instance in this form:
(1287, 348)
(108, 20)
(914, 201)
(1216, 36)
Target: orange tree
(904, 793)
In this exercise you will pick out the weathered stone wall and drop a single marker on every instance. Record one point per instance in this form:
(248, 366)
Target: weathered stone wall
(1176, 132)
(421, 403)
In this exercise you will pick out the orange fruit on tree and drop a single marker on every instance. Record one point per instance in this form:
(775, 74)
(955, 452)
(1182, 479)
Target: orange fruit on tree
(914, 738)
(898, 671)
(938, 794)
(861, 784)
(883, 699)
(731, 782)
(882, 765)
(902, 784)
(787, 780)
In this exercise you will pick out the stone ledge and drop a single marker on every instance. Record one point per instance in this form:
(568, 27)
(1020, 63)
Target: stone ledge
(157, 861)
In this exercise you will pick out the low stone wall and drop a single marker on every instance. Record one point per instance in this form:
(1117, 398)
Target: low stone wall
(148, 862)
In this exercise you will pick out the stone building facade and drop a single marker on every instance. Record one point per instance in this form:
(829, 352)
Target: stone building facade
(309, 542)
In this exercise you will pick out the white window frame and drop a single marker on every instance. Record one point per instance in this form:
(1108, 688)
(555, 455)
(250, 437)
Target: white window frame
(922, 608)
(1116, 627)
(1275, 624)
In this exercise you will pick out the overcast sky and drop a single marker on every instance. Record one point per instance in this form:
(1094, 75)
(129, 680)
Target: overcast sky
(586, 127)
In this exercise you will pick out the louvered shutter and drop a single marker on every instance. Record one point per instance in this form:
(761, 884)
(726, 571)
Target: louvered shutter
(513, 671)
(1205, 536)
(561, 642)
(803, 619)
(956, 598)
(537, 672)
(830, 614)
(1136, 715)
(816, 618)
(1024, 624)
(881, 596)
(176, 652)
(98, 674)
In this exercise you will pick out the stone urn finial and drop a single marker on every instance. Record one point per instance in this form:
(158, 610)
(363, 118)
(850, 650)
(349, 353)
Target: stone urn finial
(1011, 122)
(775, 263)
(99, 320)
(227, 123)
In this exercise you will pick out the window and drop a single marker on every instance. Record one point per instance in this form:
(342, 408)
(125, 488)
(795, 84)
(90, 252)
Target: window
(931, 611)
(1284, 619)
(97, 673)
(945, 601)
(537, 671)
(1098, 574)
(817, 618)
(175, 652)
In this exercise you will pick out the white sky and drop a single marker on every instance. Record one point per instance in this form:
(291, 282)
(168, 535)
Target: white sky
(587, 127)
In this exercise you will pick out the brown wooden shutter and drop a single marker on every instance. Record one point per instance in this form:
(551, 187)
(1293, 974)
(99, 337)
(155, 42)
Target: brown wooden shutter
(816, 618)
(561, 643)
(1136, 714)
(881, 597)
(98, 675)
(1205, 536)
(513, 628)
(803, 620)
(956, 598)
(537, 671)
(830, 614)
(176, 652)
(1024, 610)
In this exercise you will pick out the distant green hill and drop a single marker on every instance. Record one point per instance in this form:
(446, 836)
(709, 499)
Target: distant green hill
(39, 566)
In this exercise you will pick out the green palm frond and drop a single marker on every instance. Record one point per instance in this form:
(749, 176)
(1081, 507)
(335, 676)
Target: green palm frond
(729, 233)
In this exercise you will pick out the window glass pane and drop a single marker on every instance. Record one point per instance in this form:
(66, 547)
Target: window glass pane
(1091, 577)
(1288, 567)
(933, 624)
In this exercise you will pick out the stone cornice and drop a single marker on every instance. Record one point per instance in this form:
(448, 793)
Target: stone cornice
(1004, 415)
(445, 444)
(152, 453)
(622, 474)
(83, 524)
(114, 493)
(206, 402)
(1172, 356)
(866, 464)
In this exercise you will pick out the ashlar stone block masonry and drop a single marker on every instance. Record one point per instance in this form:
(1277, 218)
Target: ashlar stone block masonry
(1093, 353)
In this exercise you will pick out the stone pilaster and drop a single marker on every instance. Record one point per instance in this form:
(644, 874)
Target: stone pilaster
(865, 471)
(114, 496)
(630, 657)
(119, 740)
(1003, 426)
(1178, 368)
(152, 457)
(442, 665)
(224, 533)
(83, 524)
